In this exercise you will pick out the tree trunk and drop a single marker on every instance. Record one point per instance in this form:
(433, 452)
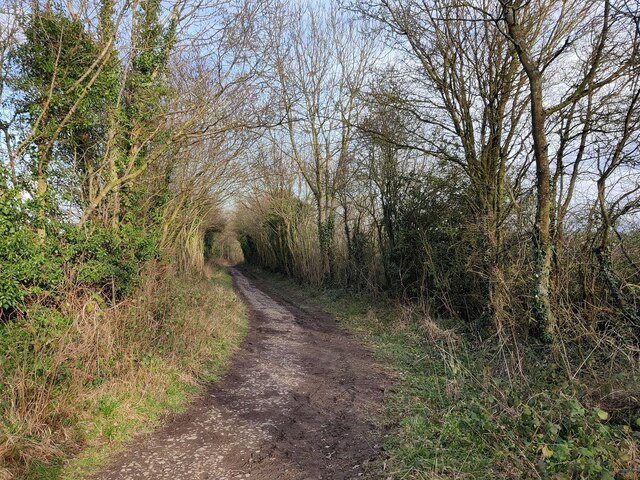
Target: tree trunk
(542, 251)
(42, 187)
(545, 323)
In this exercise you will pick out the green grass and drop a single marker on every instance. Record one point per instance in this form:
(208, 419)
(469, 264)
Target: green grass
(456, 411)
(221, 277)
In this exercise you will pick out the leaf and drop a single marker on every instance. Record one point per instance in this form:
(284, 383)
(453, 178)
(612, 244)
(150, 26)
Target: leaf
(547, 452)
(602, 415)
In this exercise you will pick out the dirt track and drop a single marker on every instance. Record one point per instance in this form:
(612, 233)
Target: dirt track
(297, 403)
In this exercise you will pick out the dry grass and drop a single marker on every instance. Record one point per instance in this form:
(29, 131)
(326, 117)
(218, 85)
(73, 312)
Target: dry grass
(86, 376)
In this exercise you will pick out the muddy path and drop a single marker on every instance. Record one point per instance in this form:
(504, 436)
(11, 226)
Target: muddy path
(298, 402)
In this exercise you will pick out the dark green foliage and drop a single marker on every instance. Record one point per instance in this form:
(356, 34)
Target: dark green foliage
(278, 231)
(249, 249)
(56, 53)
(31, 270)
(63, 84)
(110, 258)
(15, 240)
(94, 257)
(85, 212)
(66, 82)
(146, 85)
(431, 244)
(30, 341)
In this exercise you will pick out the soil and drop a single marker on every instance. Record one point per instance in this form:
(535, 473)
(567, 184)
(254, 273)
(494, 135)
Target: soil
(300, 401)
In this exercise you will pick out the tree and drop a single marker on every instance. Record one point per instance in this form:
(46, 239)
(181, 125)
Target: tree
(536, 55)
(465, 89)
(59, 77)
(320, 60)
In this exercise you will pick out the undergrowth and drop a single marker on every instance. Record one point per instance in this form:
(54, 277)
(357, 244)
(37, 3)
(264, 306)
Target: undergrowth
(459, 410)
(79, 380)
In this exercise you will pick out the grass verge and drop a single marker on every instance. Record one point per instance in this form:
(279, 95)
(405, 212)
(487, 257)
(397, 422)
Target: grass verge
(462, 409)
(124, 369)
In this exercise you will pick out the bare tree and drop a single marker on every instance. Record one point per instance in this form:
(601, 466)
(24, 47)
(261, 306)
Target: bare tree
(319, 63)
(544, 33)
